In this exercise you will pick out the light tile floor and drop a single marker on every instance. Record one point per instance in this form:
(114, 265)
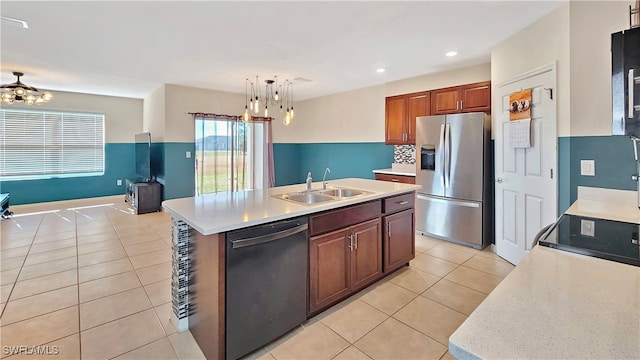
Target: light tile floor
(92, 280)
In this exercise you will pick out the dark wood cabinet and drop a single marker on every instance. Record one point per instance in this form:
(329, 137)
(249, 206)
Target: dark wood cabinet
(460, 99)
(396, 178)
(329, 263)
(366, 254)
(399, 244)
(400, 117)
(344, 261)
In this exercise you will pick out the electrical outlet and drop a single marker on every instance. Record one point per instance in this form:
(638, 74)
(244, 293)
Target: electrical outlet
(188, 155)
(119, 182)
(588, 167)
(588, 228)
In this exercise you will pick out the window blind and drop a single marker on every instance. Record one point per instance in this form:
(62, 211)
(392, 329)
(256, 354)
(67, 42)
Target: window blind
(41, 144)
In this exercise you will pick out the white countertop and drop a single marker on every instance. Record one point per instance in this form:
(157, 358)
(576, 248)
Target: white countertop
(556, 305)
(609, 204)
(216, 213)
(559, 305)
(394, 172)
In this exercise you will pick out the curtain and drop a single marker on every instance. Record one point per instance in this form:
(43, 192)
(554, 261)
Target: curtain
(232, 155)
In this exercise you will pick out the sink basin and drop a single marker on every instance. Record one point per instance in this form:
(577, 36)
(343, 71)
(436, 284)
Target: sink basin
(305, 198)
(342, 193)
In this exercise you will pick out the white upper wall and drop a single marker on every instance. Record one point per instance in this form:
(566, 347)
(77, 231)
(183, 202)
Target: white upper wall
(577, 36)
(123, 116)
(591, 26)
(543, 42)
(154, 114)
(182, 100)
(353, 116)
(359, 115)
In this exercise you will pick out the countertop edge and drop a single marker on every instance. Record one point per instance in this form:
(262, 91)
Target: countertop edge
(393, 172)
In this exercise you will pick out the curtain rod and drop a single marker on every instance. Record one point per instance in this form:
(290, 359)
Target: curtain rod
(228, 117)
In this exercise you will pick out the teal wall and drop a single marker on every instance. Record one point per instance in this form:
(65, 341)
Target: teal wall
(293, 161)
(614, 161)
(173, 170)
(119, 164)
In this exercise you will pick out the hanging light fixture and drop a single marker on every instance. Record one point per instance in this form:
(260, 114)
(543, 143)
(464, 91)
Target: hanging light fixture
(275, 96)
(19, 92)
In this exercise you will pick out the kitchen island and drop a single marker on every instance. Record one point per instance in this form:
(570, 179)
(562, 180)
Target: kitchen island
(354, 238)
(561, 305)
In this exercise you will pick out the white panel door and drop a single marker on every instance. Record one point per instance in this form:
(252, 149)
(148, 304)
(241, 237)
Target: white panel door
(526, 185)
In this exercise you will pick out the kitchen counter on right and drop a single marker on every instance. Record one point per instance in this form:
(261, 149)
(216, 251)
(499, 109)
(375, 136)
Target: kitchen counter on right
(556, 305)
(561, 305)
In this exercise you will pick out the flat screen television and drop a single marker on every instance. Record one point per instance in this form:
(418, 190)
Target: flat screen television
(143, 155)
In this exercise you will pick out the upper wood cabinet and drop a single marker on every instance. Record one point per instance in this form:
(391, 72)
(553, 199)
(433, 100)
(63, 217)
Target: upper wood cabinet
(464, 98)
(400, 114)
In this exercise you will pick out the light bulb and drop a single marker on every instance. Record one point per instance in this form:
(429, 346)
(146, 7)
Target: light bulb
(19, 91)
(256, 107)
(266, 111)
(275, 97)
(47, 96)
(251, 104)
(287, 119)
(245, 118)
(292, 111)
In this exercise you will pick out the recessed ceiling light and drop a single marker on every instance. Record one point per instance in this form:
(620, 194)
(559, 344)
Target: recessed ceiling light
(451, 53)
(14, 22)
(380, 70)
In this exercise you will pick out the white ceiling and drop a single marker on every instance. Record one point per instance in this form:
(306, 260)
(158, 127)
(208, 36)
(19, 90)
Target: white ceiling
(130, 48)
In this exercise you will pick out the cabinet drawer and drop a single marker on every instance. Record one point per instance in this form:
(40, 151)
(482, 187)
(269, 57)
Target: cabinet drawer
(396, 178)
(400, 202)
(336, 219)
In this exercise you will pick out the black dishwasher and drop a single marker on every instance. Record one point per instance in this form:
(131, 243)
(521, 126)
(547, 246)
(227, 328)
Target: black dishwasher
(266, 282)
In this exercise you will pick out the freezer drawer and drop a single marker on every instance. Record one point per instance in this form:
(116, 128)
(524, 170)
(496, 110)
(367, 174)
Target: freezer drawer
(454, 220)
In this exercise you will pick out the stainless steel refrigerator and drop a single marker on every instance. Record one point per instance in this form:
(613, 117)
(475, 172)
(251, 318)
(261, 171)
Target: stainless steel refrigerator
(453, 165)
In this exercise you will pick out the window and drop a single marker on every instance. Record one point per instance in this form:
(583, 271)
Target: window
(46, 144)
(231, 155)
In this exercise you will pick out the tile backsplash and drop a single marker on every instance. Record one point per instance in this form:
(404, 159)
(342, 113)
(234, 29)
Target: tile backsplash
(404, 154)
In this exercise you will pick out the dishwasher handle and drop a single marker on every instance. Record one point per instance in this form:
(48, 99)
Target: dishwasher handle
(256, 240)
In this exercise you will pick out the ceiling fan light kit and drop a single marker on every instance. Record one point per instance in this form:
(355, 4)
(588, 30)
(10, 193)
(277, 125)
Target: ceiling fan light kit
(19, 92)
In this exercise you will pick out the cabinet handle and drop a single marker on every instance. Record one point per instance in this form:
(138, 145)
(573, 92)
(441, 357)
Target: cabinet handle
(351, 242)
(389, 230)
(402, 202)
(395, 180)
(460, 104)
(356, 238)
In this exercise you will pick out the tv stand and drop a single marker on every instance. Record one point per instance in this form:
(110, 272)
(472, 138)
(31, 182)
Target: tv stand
(144, 196)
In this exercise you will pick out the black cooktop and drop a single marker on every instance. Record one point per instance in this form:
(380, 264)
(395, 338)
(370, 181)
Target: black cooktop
(605, 239)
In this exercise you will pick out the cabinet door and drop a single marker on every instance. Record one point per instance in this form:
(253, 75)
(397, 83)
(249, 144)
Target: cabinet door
(366, 256)
(445, 101)
(399, 239)
(417, 105)
(476, 97)
(329, 257)
(395, 115)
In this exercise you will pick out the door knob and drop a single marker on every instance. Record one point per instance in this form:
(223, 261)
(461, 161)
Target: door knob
(499, 180)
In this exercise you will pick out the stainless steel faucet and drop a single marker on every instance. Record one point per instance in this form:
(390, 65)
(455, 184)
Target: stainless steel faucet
(324, 183)
(309, 181)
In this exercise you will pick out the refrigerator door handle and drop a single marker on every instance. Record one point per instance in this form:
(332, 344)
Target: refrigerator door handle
(443, 158)
(630, 83)
(447, 151)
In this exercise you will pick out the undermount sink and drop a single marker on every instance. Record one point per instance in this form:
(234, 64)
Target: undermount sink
(305, 198)
(342, 192)
(320, 196)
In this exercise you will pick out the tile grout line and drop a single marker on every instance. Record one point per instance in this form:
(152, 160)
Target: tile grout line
(13, 285)
(78, 285)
